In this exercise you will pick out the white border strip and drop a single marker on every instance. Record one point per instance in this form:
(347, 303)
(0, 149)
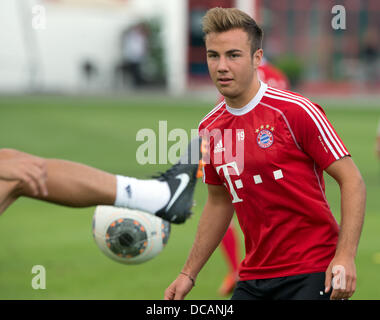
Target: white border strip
(322, 118)
(312, 117)
(211, 112)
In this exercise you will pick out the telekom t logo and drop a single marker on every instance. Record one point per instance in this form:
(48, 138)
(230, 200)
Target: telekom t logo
(238, 183)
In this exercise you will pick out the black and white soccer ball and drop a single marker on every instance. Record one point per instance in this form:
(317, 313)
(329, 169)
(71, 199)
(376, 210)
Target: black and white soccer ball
(129, 236)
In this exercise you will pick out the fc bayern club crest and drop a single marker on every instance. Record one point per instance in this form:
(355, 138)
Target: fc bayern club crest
(265, 138)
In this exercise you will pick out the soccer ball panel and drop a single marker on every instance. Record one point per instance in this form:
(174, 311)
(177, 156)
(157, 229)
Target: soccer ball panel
(129, 236)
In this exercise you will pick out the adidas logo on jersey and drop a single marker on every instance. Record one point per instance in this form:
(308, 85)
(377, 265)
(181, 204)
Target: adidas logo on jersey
(219, 147)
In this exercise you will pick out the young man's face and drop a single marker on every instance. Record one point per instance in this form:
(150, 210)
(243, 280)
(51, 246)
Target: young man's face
(230, 63)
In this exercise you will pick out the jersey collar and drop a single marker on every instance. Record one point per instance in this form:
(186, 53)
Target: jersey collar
(251, 104)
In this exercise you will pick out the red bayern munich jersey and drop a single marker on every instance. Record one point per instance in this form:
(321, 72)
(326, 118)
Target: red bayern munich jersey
(270, 155)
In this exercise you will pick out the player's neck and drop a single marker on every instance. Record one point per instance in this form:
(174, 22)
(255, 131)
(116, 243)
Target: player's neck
(243, 99)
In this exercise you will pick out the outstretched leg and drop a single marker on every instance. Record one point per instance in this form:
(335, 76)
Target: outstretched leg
(68, 183)
(169, 195)
(9, 189)
(76, 185)
(8, 193)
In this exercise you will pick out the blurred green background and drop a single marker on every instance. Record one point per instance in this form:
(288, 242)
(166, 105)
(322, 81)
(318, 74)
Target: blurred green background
(101, 132)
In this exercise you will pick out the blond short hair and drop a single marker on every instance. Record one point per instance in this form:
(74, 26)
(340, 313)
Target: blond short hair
(225, 19)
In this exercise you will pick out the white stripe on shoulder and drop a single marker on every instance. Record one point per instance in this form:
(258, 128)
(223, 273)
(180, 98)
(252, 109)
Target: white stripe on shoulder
(286, 121)
(320, 116)
(215, 109)
(303, 106)
(215, 119)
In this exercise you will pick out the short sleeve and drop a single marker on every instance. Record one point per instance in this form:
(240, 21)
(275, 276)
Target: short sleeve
(315, 134)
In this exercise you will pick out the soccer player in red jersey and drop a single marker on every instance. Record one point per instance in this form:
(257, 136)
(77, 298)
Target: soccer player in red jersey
(268, 151)
(230, 244)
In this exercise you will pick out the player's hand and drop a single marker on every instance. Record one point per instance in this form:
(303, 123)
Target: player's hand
(31, 171)
(341, 277)
(179, 288)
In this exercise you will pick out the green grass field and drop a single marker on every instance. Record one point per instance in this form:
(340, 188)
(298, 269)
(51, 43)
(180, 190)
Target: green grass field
(101, 132)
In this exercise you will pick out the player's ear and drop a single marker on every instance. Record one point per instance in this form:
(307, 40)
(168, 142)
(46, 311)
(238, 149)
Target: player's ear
(257, 58)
